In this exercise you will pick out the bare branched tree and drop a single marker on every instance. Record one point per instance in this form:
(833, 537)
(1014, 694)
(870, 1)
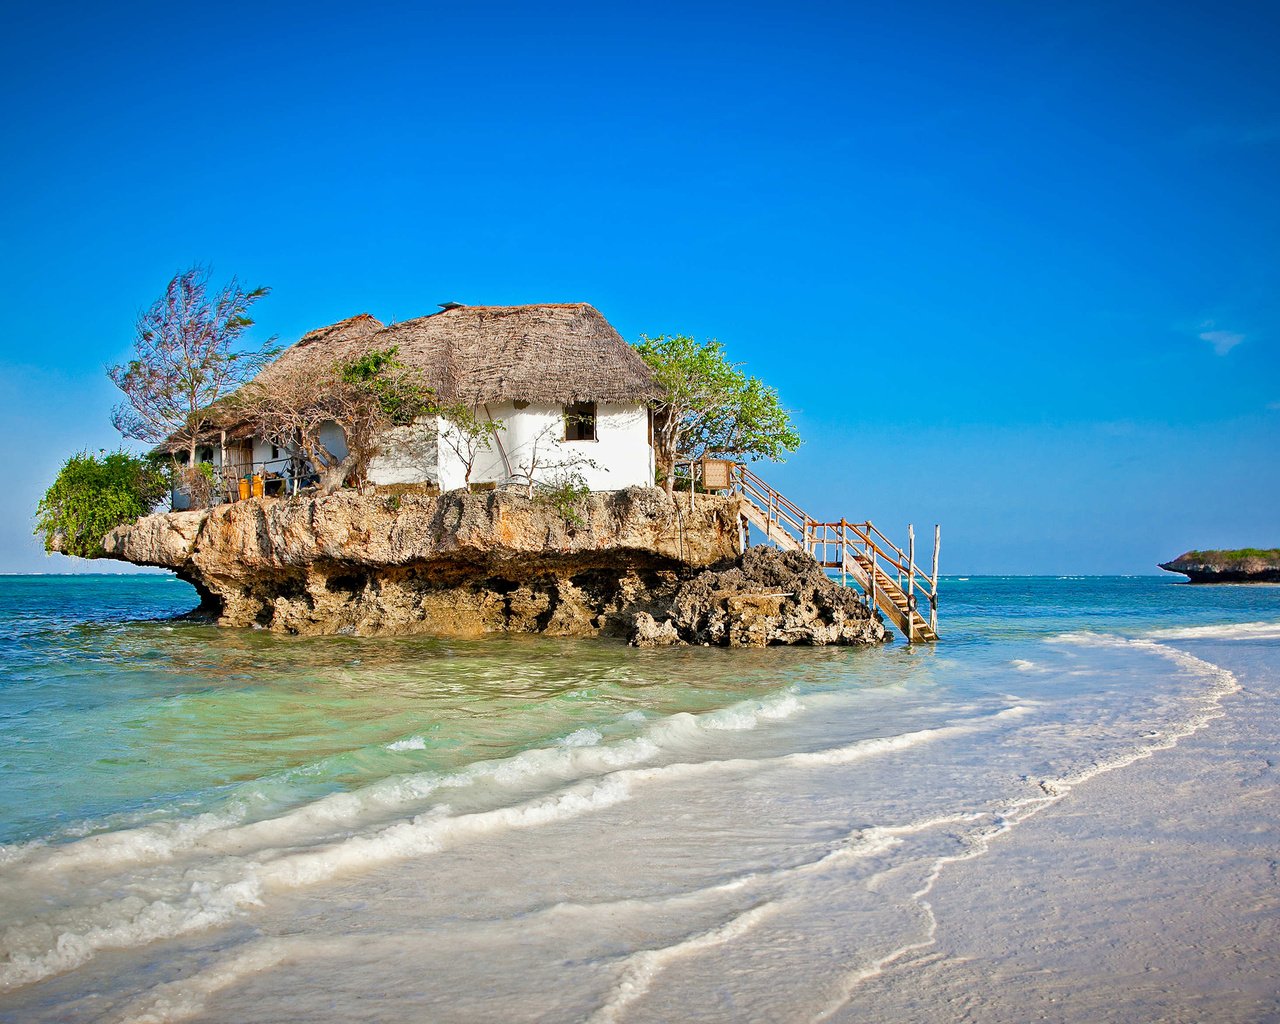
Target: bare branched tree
(467, 435)
(540, 457)
(365, 398)
(185, 360)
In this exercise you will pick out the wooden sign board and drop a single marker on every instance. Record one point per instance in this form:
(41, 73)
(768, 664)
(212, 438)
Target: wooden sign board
(715, 474)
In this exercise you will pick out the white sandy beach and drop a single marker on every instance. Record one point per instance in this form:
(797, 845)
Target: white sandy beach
(1151, 893)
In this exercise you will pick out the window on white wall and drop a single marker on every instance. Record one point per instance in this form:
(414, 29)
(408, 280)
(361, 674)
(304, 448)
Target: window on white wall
(580, 421)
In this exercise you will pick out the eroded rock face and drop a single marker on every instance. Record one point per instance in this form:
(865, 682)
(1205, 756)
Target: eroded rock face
(632, 564)
(768, 597)
(455, 564)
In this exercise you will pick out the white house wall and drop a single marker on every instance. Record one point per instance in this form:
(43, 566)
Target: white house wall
(409, 455)
(489, 466)
(619, 457)
(332, 437)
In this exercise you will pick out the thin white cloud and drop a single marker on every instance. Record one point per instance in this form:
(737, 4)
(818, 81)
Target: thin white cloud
(1222, 341)
(1274, 406)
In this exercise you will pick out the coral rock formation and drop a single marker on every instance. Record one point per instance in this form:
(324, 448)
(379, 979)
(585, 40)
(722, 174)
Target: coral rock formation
(1248, 565)
(768, 597)
(467, 564)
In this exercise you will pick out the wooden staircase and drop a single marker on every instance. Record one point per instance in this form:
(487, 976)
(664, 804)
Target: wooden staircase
(886, 574)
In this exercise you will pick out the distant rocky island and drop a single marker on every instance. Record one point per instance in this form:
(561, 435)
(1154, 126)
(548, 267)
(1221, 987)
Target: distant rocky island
(1246, 565)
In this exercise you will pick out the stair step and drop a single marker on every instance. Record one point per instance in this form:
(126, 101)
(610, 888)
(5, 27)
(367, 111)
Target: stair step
(888, 592)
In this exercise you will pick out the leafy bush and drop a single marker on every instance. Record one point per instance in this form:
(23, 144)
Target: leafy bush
(200, 483)
(400, 396)
(92, 495)
(564, 492)
(1238, 555)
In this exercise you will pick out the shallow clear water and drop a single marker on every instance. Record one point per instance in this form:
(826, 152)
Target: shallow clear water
(193, 819)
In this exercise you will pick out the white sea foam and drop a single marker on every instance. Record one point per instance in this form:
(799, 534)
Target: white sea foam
(1231, 631)
(146, 843)
(864, 844)
(429, 833)
(240, 862)
(748, 716)
(1223, 682)
(186, 998)
(136, 923)
(904, 741)
(210, 902)
(13, 853)
(641, 968)
(585, 737)
(578, 755)
(977, 846)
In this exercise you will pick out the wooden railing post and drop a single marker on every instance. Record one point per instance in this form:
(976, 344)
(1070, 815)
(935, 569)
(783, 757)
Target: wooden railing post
(933, 597)
(911, 581)
(789, 526)
(871, 568)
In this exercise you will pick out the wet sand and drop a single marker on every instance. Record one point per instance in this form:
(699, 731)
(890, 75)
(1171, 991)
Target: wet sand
(1151, 893)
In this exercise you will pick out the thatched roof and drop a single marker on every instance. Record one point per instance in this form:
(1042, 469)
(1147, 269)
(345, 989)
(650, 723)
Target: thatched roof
(347, 339)
(555, 353)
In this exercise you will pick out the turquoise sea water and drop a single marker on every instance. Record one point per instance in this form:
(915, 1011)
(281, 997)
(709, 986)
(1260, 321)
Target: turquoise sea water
(169, 782)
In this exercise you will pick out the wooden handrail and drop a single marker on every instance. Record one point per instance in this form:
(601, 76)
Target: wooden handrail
(878, 553)
(749, 478)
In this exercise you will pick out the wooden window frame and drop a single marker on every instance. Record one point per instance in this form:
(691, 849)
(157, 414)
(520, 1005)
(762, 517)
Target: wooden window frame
(578, 415)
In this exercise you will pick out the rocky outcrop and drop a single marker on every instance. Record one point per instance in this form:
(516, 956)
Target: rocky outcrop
(455, 564)
(1248, 565)
(768, 597)
(467, 564)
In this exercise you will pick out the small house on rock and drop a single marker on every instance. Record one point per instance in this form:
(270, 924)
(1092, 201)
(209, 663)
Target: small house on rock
(561, 388)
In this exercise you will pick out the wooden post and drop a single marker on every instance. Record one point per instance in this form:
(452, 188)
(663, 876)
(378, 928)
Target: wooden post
(871, 571)
(911, 580)
(502, 451)
(222, 462)
(933, 598)
(843, 556)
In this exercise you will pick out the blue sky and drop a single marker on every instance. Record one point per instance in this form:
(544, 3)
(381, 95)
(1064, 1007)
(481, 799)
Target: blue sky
(1016, 268)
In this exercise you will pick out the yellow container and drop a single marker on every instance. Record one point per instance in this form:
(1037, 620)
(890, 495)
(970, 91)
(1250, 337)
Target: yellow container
(244, 490)
(259, 488)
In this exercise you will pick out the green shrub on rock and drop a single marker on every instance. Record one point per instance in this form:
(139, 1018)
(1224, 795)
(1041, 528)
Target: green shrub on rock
(92, 495)
(565, 492)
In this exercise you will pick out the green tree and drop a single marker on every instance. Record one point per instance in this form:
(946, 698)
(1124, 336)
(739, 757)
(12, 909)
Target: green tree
(92, 495)
(185, 360)
(708, 406)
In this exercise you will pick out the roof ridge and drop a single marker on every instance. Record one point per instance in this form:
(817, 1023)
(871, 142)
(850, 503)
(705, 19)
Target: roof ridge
(527, 305)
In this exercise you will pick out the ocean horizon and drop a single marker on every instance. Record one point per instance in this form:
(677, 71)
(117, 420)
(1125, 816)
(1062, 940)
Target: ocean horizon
(1065, 810)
